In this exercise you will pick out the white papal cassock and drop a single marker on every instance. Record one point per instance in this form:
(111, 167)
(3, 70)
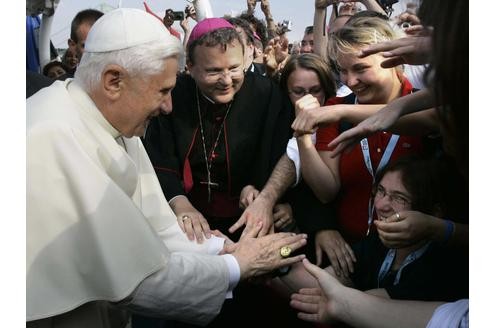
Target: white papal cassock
(98, 223)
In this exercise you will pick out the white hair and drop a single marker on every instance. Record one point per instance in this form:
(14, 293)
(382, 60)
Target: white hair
(143, 60)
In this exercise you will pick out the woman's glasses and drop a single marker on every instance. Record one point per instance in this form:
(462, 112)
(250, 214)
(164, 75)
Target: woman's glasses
(395, 198)
(300, 92)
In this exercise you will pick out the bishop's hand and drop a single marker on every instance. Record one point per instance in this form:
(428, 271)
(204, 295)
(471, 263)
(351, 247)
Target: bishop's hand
(190, 220)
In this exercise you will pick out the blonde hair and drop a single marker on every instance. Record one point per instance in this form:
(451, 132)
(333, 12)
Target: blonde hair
(359, 32)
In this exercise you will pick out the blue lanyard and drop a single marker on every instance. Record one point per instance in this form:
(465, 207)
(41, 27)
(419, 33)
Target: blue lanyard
(369, 165)
(389, 259)
(383, 161)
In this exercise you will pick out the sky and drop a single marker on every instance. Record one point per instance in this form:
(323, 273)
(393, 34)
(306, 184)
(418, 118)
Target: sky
(300, 12)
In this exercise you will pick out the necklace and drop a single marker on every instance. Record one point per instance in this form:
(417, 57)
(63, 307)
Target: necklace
(209, 159)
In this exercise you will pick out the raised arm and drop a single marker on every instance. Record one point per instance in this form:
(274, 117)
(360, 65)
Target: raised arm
(319, 170)
(319, 25)
(270, 22)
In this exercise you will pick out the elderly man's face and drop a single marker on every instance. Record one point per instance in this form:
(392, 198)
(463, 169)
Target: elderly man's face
(218, 74)
(144, 98)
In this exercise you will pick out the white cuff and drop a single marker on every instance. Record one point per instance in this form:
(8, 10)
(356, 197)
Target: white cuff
(234, 273)
(215, 245)
(293, 154)
(172, 199)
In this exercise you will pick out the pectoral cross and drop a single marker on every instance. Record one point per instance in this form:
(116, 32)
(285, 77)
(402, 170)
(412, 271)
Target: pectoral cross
(209, 184)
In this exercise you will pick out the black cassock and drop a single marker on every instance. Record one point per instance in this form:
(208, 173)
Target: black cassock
(251, 141)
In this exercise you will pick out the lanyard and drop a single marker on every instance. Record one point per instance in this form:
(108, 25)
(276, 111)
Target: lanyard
(389, 259)
(383, 161)
(369, 165)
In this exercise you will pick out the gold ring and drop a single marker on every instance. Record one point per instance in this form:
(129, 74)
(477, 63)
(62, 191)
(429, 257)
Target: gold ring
(184, 218)
(285, 251)
(397, 215)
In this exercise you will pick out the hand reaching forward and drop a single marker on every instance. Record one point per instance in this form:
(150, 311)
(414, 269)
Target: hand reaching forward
(260, 210)
(338, 251)
(318, 304)
(413, 50)
(282, 216)
(380, 121)
(258, 256)
(248, 195)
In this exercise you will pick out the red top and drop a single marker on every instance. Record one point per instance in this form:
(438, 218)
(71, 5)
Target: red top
(355, 180)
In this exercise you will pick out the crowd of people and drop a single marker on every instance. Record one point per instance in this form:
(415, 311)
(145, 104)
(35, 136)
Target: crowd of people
(196, 177)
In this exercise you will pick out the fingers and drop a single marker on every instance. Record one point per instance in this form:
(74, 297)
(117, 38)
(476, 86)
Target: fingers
(350, 252)
(314, 270)
(389, 227)
(252, 231)
(376, 48)
(342, 261)
(392, 62)
(400, 51)
(195, 226)
(319, 253)
(201, 227)
(307, 305)
(347, 140)
(279, 223)
(248, 194)
(188, 228)
(334, 260)
(308, 291)
(415, 30)
(238, 224)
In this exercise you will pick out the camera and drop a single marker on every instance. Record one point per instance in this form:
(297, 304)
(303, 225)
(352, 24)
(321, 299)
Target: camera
(284, 26)
(178, 15)
(405, 25)
(387, 5)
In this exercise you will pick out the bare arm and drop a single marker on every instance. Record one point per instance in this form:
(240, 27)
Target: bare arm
(319, 37)
(356, 308)
(373, 5)
(319, 170)
(251, 5)
(270, 23)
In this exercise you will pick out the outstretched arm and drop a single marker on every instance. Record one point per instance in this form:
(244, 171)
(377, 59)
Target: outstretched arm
(385, 118)
(413, 50)
(333, 301)
(149, 11)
